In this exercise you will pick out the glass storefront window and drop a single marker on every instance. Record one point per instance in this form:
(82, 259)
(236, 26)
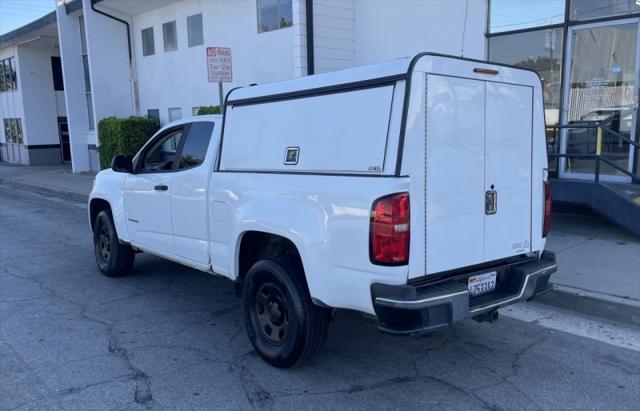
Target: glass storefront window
(603, 80)
(593, 9)
(507, 15)
(539, 50)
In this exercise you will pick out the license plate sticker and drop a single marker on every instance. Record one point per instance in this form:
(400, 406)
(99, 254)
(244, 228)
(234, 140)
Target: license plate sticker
(482, 284)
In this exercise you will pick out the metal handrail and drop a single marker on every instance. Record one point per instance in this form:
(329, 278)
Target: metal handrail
(598, 157)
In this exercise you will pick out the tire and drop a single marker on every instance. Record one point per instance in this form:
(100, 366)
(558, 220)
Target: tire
(282, 323)
(113, 258)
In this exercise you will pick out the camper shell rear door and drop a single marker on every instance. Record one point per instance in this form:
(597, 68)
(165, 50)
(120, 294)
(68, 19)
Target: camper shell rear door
(475, 183)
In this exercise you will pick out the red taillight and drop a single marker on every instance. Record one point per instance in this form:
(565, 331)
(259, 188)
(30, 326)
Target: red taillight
(547, 209)
(389, 230)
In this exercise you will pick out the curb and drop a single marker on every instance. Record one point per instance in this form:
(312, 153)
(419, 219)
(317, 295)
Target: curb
(52, 191)
(619, 310)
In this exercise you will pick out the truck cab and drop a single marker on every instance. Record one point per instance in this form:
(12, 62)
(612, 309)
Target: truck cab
(413, 191)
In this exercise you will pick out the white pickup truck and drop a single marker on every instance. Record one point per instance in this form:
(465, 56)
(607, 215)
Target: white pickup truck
(413, 191)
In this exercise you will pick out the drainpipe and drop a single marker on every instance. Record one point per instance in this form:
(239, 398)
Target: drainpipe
(310, 47)
(134, 85)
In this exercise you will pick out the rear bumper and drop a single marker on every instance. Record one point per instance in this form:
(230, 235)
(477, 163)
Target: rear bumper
(411, 309)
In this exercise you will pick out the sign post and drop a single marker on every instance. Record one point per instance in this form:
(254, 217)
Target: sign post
(219, 69)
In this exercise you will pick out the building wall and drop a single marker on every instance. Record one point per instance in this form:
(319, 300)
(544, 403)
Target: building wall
(347, 33)
(387, 30)
(40, 123)
(38, 95)
(179, 78)
(334, 23)
(112, 85)
(74, 88)
(350, 33)
(111, 80)
(299, 33)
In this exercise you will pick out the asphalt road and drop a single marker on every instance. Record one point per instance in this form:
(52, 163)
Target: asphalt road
(171, 337)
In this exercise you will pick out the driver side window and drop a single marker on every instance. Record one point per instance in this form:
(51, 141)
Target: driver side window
(162, 155)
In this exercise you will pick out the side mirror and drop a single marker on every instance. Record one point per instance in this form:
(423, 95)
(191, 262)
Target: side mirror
(122, 164)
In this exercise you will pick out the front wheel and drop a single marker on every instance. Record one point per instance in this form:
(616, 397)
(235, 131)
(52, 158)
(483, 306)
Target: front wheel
(282, 323)
(113, 258)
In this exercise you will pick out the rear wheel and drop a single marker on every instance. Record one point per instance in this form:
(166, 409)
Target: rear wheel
(113, 258)
(282, 323)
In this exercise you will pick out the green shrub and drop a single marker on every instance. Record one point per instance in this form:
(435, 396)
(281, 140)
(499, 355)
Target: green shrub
(123, 136)
(209, 110)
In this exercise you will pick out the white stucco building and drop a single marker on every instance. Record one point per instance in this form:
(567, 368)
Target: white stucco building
(32, 105)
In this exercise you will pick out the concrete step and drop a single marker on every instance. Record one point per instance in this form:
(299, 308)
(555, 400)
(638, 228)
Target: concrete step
(618, 202)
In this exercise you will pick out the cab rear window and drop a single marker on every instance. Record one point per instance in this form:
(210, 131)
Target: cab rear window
(195, 145)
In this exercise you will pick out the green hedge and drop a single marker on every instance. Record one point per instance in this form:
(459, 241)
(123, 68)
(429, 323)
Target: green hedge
(209, 110)
(123, 136)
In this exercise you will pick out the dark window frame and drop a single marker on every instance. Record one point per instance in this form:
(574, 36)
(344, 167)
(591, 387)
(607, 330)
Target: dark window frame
(155, 110)
(166, 34)
(3, 87)
(145, 51)
(142, 154)
(582, 20)
(184, 140)
(13, 132)
(88, 92)
(567, 23)
(56, 72)
(8, 75)
(193, 42)
(169, 114)
(13, 72)
(185, 128)
(279, 4)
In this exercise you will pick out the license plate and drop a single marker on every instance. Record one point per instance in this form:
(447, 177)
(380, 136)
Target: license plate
(482, 284)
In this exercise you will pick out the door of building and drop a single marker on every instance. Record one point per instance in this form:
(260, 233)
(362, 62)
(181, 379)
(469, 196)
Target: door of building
(601, 87)
(65, 146)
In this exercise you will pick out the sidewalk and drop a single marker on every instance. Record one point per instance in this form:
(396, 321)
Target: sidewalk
(599, 263)
(598, 268)
(56, 180)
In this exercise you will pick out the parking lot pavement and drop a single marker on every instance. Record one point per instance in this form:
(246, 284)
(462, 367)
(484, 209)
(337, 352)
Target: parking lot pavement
(171, 337)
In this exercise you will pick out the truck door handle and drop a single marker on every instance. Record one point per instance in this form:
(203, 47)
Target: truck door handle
(490, 201)
(161, 187)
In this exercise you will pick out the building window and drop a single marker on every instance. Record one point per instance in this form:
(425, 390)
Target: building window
(274, 14)
(154, 114)
(56, 70)
(13, 130)
(8, 77)
(593, 9)
(194, 30)
(148, 44)
(175, 113)
(87, 74)
(170, 36)
(507, 15)
(539, 50)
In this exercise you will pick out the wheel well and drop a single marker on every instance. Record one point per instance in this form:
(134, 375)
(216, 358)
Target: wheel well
(256, 245)
(97, 205)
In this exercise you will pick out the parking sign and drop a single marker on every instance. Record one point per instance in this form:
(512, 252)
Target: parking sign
(219, 65)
